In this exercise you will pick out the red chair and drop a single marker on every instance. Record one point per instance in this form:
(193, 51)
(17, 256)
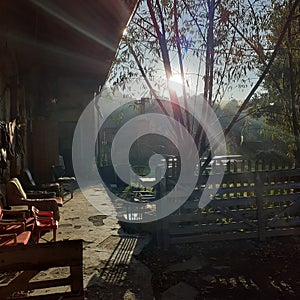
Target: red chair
(44, 221)
(7, 217)
(15, 238)
(13, 232)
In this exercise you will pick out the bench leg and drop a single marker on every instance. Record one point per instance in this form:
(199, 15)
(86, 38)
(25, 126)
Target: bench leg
(54, 234)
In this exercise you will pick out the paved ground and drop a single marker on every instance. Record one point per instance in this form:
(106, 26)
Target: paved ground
(111, 270)
(115, 268)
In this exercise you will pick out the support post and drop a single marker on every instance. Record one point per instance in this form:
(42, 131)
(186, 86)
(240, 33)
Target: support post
(259, 189)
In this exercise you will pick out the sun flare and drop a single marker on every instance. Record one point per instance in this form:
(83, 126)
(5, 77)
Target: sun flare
(176, 84)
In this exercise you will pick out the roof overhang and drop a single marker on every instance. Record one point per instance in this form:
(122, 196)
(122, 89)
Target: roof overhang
(71, 37)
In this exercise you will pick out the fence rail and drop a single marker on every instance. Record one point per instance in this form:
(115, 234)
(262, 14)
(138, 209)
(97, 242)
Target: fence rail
(259, 202)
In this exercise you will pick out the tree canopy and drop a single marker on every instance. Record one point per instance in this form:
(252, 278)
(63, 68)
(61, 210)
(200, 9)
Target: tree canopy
(216, 49)
(280, 100)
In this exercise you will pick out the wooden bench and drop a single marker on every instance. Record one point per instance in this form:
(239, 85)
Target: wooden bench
(28, 261)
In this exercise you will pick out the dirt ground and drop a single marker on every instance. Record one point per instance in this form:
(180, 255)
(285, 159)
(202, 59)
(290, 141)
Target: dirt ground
(226, 270)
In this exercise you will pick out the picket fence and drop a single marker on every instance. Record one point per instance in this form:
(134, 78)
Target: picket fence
(254, 200)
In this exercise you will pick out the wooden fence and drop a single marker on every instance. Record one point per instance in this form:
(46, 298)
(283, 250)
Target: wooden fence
(251, 202)
(25, 262)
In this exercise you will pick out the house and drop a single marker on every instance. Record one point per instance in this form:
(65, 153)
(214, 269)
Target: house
(54, 55)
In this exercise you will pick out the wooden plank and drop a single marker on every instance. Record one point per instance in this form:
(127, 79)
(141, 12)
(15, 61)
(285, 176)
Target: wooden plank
(232, 236)
(231, 202)
(19, 283)
(35, 285)
(284, 222)
(208, 228)
(282, 232)
(215, 203)
(76, 280)
(271, 175)
(242, 190)
(56, 296)
(213, 237)
(235, 190)
(259, 204)
(32, 257)
(282, 186)
(281, 198)
(230, 177)
(203, 217)
(212, 216)
(266, 176)
(236, 215)
(271, 212)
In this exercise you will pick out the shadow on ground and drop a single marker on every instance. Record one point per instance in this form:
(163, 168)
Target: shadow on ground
(226, 270)
(123, 276)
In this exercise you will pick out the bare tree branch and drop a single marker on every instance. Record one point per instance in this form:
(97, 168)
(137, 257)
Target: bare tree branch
(177, 38)
(265, 72)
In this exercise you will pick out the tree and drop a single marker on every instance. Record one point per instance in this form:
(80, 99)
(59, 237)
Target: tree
(280, 100)
(214, 40)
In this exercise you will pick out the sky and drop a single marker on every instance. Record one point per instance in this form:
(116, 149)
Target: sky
(194, 68)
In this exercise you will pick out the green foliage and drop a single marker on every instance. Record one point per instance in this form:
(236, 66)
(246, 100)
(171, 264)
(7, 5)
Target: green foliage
(280, 101)
(237, 33)
(243, 39)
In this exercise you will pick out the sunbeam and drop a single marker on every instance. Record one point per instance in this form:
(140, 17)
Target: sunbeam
(62, 16)
(57, 50)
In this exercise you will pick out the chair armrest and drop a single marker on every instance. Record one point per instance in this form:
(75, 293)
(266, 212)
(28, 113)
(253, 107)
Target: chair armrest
(9, 221)
(15, 214)
(45, 214)
(40, 195)
(13, 223)
(45, 220)
(45, 205)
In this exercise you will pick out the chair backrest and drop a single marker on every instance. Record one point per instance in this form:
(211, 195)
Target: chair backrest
(2, 203)
(14, 192)
(57, 171)
(26, 178)
(42, 219)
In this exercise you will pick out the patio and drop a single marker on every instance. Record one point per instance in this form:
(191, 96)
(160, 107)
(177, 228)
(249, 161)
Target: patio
(109, 266)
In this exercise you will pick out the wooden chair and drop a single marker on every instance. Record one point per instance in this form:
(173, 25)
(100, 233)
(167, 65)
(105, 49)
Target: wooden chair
(29, 184)
(13, 232)
(67, 182)
(15, 238)
(44, 221)
(9, 217)
(15, 195)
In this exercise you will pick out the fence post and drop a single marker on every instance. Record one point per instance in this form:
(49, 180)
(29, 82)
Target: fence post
(162, 227)
(158, 196)
(249, 166)
(259, 189)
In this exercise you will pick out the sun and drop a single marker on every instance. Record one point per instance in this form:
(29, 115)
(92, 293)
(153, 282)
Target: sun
(176, 84)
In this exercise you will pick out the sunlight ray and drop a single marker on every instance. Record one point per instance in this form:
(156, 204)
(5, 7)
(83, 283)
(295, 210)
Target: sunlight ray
(57, 50)
(62, 16)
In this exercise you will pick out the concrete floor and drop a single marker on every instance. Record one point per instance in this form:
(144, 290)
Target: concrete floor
(111, 270)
